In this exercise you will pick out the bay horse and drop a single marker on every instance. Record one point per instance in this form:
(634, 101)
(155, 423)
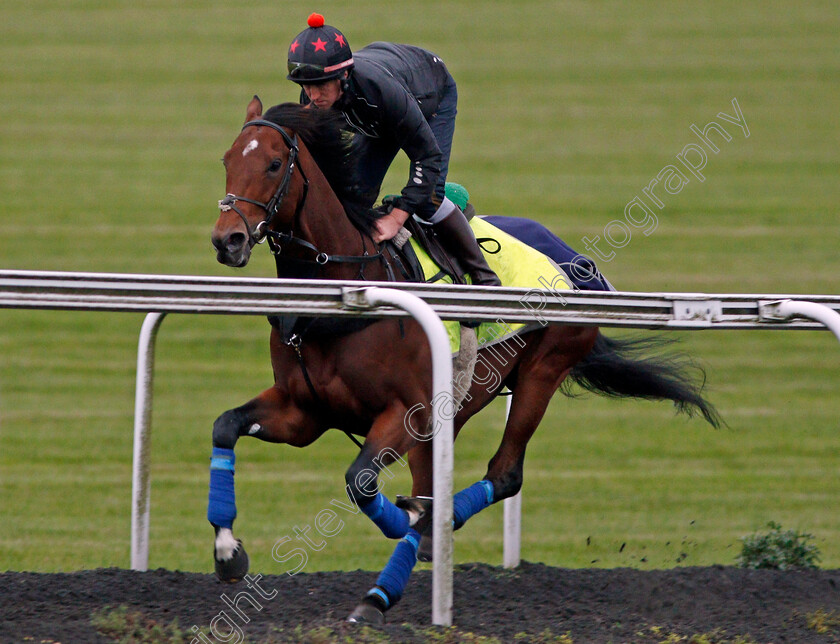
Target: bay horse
(289, 179)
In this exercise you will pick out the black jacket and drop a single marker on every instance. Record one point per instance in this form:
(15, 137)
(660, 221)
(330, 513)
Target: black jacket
(391, 93)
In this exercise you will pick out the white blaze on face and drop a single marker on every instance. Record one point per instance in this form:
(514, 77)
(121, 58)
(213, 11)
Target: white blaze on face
(253, 145)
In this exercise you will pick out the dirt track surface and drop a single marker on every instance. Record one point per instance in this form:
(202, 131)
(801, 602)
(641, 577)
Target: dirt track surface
(593, 605)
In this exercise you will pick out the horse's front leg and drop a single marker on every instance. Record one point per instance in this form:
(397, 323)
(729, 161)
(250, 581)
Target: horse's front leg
(385, 444)
(387, 441)
(270, 417)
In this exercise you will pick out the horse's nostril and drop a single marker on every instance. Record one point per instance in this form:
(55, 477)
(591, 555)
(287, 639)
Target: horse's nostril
(236, 241)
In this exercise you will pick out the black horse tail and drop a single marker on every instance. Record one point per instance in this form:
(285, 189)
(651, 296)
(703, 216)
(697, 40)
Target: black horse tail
(618, 368)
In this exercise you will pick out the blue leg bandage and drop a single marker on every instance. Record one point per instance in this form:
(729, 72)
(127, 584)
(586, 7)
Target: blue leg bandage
(471, 501)
(221, 506)
(388, 517)
(393, 579)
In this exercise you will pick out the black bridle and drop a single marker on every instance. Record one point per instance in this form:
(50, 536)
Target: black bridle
(263, 231)
(259, 233)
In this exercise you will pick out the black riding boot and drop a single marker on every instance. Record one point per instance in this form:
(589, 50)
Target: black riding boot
(458, 239)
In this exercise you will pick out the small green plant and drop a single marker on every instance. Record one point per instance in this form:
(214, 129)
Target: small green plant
(823, 622)
(660, 635)
(129, 627)
(778, 550)
(546, 637)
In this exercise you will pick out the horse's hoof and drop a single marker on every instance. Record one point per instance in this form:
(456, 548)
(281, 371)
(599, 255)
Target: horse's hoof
(424, 551)
(421, 508)
(234, 569)
(367, 613)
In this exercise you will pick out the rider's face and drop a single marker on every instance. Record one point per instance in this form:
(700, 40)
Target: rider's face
(323, 95)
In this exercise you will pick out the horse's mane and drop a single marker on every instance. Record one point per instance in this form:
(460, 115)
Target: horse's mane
(323, 133)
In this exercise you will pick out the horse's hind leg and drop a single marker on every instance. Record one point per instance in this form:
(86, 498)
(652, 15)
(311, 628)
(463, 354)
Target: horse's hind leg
(538, 377)
(465, 503)
(504, 472)
(539, 374)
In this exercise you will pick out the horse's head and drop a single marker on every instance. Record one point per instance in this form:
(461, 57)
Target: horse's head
(260, 166)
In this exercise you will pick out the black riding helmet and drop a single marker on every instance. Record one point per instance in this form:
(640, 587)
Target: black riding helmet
(319, 53)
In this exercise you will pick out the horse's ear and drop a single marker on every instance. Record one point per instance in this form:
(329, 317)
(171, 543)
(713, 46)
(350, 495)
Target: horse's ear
(254, 109)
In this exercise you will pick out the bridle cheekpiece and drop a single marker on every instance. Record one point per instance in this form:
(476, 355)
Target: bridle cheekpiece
(262, 230)
(259, 233)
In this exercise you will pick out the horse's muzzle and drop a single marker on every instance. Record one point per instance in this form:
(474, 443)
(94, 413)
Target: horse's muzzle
(233, 249)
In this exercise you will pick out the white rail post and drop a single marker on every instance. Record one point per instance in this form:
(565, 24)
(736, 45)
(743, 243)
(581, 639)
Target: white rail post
(512, 519)
(140, 477)
(443, 434)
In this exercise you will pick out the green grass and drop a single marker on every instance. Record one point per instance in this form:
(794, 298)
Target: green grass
(113, 120)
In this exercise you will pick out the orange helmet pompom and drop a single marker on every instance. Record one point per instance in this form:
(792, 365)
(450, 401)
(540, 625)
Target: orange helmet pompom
(315, 20)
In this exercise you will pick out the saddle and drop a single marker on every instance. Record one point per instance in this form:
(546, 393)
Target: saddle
(425, 235)
(400, 254)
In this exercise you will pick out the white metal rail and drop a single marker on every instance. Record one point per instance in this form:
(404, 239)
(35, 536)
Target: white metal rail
(161, 294)
(182, 294)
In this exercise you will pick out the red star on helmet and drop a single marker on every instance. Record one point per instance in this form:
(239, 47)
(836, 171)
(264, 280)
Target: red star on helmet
(340, 40)
(294, 46)
(320, 45)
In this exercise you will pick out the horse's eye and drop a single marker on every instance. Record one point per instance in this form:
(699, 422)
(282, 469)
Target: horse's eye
(275, 165)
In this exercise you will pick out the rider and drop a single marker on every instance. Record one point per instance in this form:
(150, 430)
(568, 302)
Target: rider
(393, 97)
